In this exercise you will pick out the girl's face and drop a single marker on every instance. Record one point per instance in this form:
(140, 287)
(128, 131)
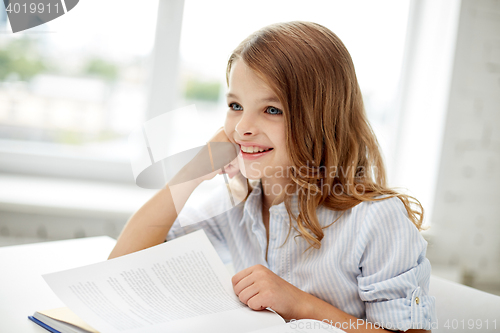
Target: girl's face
(255, 122)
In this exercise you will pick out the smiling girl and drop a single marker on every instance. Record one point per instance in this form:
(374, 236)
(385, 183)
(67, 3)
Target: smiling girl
(319, 234)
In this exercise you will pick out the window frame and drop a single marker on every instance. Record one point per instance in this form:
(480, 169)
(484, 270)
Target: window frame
(29, 159)
(163, 84)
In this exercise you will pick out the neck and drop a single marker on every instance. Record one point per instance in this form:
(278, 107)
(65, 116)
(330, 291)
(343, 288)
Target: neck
(271, 190)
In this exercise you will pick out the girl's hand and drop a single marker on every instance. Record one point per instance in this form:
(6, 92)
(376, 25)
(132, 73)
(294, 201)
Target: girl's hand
(259, 288)
(231, 169)
(209, 162)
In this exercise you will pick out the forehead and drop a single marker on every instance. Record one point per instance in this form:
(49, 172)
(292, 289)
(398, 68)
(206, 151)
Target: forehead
(244, 82)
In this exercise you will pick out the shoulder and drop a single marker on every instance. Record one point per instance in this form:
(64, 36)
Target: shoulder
(388, 216)
(368, 216)
(386, 234)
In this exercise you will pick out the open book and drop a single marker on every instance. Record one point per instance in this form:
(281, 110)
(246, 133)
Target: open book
(178, 286)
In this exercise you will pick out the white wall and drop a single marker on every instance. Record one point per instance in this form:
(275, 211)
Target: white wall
(423, 98)
(466, 214)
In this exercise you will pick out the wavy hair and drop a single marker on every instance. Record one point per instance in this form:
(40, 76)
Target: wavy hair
(335, 157)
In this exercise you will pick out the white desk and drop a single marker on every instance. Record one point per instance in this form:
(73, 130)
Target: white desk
(23, 291)
(22, 288)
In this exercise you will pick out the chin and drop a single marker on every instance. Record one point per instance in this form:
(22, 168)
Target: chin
(251, 175)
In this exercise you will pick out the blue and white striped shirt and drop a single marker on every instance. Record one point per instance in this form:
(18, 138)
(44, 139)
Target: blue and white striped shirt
(371, 263)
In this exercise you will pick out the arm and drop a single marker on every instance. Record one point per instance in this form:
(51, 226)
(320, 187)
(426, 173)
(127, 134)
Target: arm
(323, 311)
(260, 288)
(393, 283)
(395, 274)
(150, 225)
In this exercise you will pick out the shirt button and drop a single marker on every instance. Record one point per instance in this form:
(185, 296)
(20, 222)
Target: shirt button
(417, 300)
(273, 237)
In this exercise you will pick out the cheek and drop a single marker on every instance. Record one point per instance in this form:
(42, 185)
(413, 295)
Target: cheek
(277, 135)
(229, 128)
(280, 141)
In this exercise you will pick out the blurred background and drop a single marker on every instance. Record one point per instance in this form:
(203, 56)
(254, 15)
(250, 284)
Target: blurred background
(73, 89)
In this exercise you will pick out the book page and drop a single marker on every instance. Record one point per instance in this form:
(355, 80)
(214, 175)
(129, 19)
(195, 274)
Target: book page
(178, 286)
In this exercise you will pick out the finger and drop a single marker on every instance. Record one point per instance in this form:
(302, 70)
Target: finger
(256, 302)
(233, 173)
(248, 293)
(222, 153)
(220, 136)
(243, 284)
(242, 274)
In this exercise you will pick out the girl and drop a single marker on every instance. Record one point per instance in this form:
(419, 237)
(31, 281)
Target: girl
(319, 235)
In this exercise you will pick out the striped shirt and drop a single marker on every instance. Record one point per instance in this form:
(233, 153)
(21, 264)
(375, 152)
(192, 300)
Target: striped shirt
(371, 263)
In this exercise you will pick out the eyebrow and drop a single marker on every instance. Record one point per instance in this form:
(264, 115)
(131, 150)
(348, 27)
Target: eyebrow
(271, 99)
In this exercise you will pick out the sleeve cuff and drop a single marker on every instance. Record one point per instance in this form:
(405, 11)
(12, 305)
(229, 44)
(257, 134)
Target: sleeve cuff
(404, 314)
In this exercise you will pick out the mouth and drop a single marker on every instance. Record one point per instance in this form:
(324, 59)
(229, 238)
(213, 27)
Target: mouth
(254, 150)
(250, 154)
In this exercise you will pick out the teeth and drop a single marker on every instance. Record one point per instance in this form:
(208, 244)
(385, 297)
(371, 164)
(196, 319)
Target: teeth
(252, 149)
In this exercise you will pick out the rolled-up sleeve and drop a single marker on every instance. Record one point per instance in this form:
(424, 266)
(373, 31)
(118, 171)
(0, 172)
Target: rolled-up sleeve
(395, 274)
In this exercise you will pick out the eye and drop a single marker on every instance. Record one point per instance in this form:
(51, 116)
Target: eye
(273, 110)
(235, 107)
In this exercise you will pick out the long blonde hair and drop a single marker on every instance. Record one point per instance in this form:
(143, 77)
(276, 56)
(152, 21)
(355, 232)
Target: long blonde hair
(312, 73)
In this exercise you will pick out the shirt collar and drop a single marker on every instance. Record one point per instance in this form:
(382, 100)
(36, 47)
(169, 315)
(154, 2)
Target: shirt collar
(253, 204)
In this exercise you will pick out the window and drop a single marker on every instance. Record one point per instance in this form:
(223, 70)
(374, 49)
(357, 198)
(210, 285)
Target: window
(75, 87)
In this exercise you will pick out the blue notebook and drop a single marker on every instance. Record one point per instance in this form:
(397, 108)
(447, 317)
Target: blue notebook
(60, 320)
(47, 327)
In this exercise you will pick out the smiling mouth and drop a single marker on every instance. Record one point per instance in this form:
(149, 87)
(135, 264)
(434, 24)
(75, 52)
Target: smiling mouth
(256, 152)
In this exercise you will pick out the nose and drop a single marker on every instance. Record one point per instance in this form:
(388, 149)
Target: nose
(247, 125)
